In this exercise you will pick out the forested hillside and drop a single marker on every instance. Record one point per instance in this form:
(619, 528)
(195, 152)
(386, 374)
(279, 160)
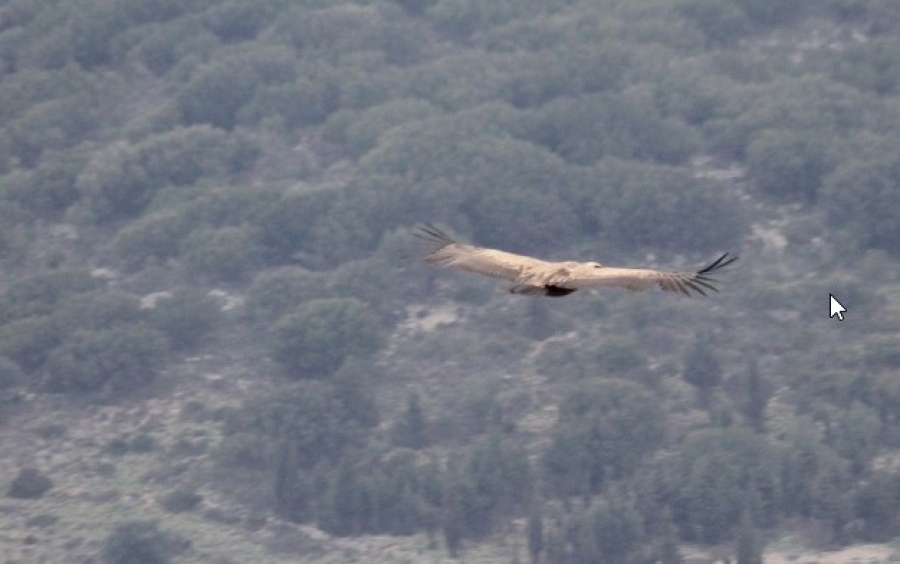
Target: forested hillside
(217, 345)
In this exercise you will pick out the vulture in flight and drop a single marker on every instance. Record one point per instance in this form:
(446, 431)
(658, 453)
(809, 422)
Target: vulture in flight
(535, 277)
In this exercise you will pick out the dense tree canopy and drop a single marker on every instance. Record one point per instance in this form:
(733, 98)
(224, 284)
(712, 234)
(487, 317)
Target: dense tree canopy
(316, 338)
(605, 429)
(227, 186)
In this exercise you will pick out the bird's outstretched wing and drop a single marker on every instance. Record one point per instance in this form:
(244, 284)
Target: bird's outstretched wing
(443, 251)
(542, 278)
(638, 279)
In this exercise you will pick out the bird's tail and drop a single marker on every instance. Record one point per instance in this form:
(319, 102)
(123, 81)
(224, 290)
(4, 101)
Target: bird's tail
(432, 235)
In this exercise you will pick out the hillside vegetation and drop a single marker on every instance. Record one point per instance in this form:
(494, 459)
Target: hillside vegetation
(216, 342)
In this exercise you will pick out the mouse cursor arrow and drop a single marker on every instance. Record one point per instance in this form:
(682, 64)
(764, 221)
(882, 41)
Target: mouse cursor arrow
(836, 308)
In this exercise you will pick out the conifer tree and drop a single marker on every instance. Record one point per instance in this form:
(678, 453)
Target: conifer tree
(411, 430)
(291, 493)
(757, 398)
(702, 369)
(535, 534)
(749, 546)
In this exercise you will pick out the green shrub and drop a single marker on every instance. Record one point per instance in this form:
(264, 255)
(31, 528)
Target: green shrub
(10, 373)
(114, 183)
(142, 443)
(180, 500)
(536, 78)
(122, 179)
(342, 30)
(723, 22)
(562, 360)
(319, 335)
(112, 359)
(137, 542)
(811, 103)
(276, 291)
(162, 47)
(117, 447)
(226, 254)
(49, 188)
(21, 90)
(881, 351)
(787, 163)
(619, 354)
(772, 12)
(51, 126)
(287, 222)
(463, 17)
(29, 484)
(589, 127)
(185, 317)
(871, 65)
(884, 17)
(429, 167)
(217, 91)
(352, 226)
(863, 192)
(649, 205)
(362, 133)
(42, 294)
(242, 450)
(377, 280)
(497, 219)
(306, 101)
(215, 94)
(27, 341)
(156, 235)
(101, 309)
(237, 21)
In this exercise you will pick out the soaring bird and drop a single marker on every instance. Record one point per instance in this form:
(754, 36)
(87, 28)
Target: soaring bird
(535, 277)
